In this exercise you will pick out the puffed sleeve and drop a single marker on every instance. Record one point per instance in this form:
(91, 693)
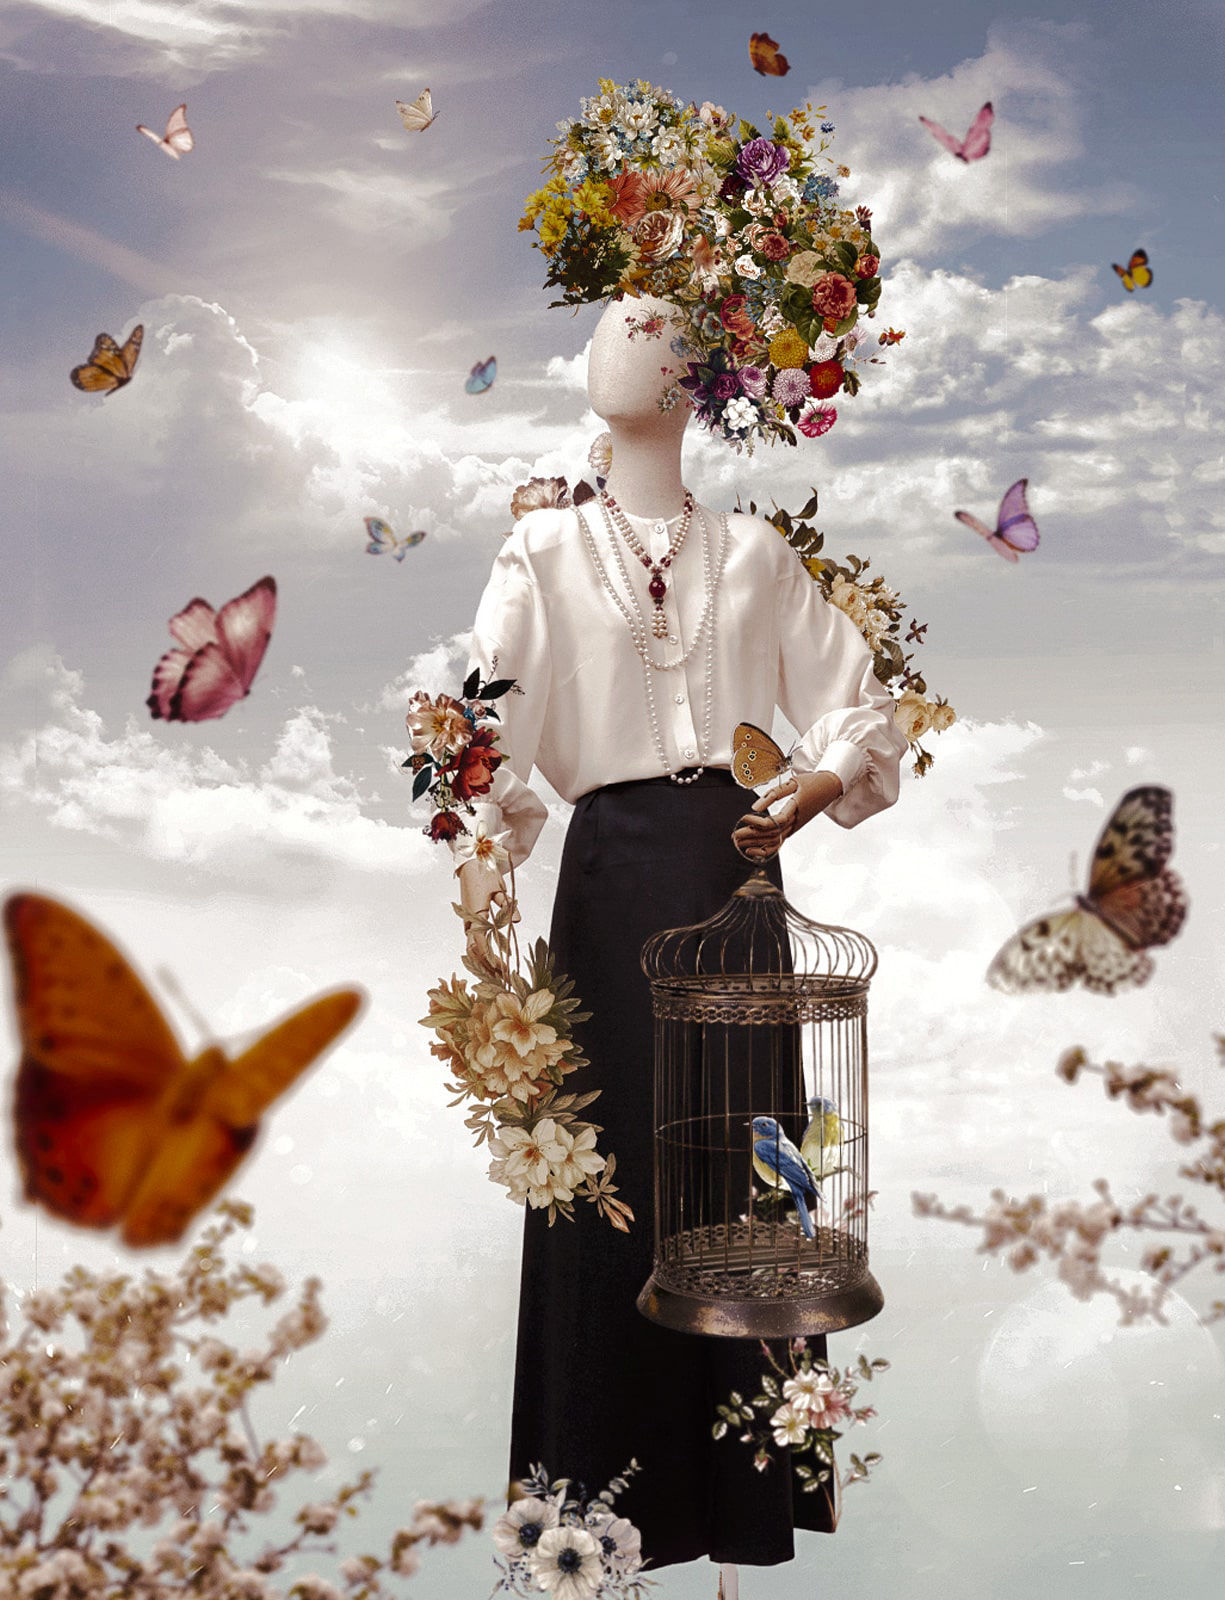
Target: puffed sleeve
(830, 695)
(510, 624)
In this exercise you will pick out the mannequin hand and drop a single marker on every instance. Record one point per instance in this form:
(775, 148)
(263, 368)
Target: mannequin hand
(759, 837)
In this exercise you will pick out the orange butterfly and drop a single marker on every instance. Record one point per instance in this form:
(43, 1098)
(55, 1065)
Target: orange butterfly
(112, 1121)
(763, 53)
(109, 367)
(1137, 274)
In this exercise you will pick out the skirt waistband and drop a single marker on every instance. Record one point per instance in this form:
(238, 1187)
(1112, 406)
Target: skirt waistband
(707, 778)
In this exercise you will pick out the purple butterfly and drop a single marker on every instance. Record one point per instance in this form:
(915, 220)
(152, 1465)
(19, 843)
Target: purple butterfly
(1014, 530)
(976, 142)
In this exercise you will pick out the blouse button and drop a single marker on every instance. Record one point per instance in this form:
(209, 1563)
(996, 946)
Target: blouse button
(680, 699)
(672, 639)
(661, 527)
(691, 752)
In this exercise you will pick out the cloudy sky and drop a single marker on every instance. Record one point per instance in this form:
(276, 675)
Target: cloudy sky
(314, 284)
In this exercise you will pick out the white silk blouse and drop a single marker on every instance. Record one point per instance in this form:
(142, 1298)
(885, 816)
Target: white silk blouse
(582, 718)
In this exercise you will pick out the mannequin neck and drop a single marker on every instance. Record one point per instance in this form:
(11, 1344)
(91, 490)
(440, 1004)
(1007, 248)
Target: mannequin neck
(645, 476)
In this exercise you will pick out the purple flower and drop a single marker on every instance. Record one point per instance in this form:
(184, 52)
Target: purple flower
(725, 386)
(752, 382)
(791, 387)
(761, 161)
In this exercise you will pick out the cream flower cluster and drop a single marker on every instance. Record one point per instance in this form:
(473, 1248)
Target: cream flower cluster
(569, 1549)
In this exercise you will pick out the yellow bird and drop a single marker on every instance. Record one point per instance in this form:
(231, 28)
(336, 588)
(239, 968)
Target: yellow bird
(822, 1137)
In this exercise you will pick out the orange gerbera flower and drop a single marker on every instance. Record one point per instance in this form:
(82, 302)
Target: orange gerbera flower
(665, 191)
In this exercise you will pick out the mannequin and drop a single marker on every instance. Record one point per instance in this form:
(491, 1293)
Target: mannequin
(595, 1382)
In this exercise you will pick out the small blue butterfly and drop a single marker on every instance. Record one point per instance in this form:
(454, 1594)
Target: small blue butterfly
(383, 541)
(481, 377)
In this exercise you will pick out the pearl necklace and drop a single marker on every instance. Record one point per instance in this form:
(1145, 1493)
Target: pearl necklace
(658, 586)
(638, 634)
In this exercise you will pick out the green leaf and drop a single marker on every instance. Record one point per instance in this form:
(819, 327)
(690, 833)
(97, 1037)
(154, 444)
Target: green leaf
(719, 1431)
(471, 684)
(841, 255)
(422, 782)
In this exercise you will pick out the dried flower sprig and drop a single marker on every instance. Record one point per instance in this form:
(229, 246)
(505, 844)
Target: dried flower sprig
(121, 1410)
(1073, 1235)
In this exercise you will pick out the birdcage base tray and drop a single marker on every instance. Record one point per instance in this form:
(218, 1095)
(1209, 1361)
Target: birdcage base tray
(787, 1317)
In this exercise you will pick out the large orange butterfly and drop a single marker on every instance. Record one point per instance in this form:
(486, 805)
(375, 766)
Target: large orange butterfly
(112, 1121)
(1137, 274)
(109, 367)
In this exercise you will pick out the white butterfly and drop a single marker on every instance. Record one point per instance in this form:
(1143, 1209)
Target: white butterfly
(178, 140)
(418, 116)
(1134, 901)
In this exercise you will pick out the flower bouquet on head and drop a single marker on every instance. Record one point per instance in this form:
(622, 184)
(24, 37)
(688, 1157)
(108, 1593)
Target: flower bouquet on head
(508, 1039)
(740, 230)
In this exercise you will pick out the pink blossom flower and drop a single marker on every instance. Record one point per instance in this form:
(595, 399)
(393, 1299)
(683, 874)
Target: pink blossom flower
(833, 296)
(816, 419)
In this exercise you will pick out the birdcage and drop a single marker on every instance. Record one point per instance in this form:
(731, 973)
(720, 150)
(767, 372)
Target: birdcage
(761, 1061)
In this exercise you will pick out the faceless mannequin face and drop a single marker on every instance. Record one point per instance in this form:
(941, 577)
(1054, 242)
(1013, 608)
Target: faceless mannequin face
(624, 380)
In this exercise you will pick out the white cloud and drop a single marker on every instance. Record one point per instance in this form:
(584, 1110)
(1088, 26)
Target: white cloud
(179, 803)
(923, 199)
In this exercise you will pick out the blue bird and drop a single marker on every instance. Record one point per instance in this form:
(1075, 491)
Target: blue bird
(777, 1162)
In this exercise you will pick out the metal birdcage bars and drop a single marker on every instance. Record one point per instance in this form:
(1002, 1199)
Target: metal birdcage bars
(758, 1012)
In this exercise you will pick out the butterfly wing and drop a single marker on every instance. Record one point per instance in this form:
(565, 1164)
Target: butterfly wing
(1000, 546)
(1141, 272)
(244, 627)
(196, 625)
(1055, 951)
(167, 676)
(207, 1136)
(1136, 842)
(208, 686)
(414, 538)
(178, 140)
(482, 375)
(1015, 526)
(756, 759)
(764, 54)
(418, 115)
(96, 1056)
(978, 140)
(943, 135)
(382, 539)
(104, 370)
(131, 351)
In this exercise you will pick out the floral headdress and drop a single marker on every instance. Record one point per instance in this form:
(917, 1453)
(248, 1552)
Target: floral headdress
(740, 230)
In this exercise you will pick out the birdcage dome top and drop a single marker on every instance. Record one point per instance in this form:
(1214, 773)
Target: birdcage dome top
(758, 939)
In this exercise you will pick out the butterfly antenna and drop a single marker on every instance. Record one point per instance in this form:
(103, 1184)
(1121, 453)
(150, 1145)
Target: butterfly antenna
(1072, 873)
(172, 986)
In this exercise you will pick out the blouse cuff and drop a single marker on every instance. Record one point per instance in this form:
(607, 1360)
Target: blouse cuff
(847, 761)
(522, 815)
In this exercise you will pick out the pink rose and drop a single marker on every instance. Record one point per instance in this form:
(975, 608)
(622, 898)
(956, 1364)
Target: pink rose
(775, 248)
(658, 236)
(866, 266)
(833, 296)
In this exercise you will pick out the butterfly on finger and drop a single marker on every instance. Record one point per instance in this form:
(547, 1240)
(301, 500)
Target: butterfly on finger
(756, 759)
(113, 1122)
(1015, 529)
(383, 540)
(1134, 902)
(177, 140)
(110, 366)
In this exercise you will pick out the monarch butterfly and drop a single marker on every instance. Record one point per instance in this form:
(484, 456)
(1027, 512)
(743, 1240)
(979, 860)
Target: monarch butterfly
(109, 367)
(417, 116)
(113, 1122)
(1137, 274)
(178, 140)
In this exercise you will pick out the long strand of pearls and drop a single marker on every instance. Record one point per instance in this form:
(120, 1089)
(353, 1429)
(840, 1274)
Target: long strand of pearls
(638, 633)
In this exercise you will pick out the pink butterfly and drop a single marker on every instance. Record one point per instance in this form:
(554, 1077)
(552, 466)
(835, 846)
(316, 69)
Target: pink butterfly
(219, 655)
(177, 140)
(976, 142)
(1014, 528)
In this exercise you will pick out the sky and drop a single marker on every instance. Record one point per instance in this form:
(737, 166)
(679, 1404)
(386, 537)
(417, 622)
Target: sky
(315, 284)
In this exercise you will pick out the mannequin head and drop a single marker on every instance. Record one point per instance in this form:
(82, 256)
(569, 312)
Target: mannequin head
(624, 380)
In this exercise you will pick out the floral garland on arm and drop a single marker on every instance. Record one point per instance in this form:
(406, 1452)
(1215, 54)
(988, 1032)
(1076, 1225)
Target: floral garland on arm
(508, 1038)
(877, 611)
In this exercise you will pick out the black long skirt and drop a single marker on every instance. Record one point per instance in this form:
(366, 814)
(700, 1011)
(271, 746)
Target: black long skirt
(596, 1384)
